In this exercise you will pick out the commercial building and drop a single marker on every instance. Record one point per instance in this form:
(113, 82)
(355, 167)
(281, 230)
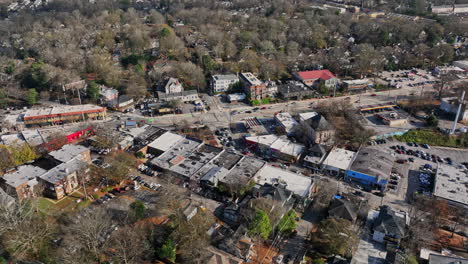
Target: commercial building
(121, 102)
(64, 114)
(184, 96)
(371, 167)
(295, 90)
(395, 118)
(315, 157)
(276, 147)
(450, 185)
(450, 9)
(253, 86)
(286, 123)
(316, 78)
(355, 85)
(221, 83)
(237, 97)
(338, 161)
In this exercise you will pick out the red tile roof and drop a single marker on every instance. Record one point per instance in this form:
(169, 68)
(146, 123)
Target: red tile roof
(321, 74)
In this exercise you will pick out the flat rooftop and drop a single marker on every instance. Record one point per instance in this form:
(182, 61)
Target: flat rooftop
(196, 160)
(251, 78)
(59, 172)
(62, 109)
(24, 174)
(374, 163)
(13, 139)
(166, 141)
(300, 185)
(339, 158)
(286, 120)
(451, 183)
(280, 144)
(226, 77)
(68, 152)
(177, 154)
(244, 171)
(307, 115)
(224, 162)
(33, 137)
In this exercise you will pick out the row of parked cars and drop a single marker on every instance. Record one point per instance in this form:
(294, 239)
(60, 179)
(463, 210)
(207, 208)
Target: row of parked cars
(151, 185)
(147, 170)
(393, 183)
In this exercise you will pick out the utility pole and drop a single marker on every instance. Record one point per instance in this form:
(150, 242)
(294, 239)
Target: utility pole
(458, 113)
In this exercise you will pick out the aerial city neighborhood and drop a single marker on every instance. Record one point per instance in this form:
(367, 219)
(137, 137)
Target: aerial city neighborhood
(142, 132)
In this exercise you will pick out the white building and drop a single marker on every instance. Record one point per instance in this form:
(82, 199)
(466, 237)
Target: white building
(338, 161)
(286, 122)
(450, 185)
(221, 83)
(173, 86)
(299, 185)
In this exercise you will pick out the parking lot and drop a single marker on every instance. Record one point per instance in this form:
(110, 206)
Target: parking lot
(403, 79)
(412, 161)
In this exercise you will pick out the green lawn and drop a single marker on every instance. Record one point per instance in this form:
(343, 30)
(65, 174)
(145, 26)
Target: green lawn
(45, 205)
(435, 138)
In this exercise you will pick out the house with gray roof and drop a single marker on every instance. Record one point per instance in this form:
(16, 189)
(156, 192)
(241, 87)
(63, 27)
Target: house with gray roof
(343, 209)
(389, 226)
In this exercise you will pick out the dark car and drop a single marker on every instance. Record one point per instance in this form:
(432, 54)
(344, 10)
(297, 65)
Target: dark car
(248, 112)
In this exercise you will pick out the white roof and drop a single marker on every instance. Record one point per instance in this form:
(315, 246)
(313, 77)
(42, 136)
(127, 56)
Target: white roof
(13, 139)
(285, 146)
(166, 141)
(251, 78)
(62, 109)
(307, 115)
(450, 184)
(339, 158)
(236, 97)
(33, 137)
(359, 81)
(286, 120)
(67, 152)
(265, 139)
(281, 144)
(296, 183)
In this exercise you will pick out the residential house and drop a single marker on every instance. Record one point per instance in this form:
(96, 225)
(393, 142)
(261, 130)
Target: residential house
(316, 78)
(278, 193)
(342, 208)
(221, 83)
(238, 244)
(389, 226)
(253, 86)
(69, 152)
(108, 94)
(173, 86)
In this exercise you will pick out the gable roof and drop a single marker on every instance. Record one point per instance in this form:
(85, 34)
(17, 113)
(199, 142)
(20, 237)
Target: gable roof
(389, 223)
(319, 123)
(319, 74)
(341, 208)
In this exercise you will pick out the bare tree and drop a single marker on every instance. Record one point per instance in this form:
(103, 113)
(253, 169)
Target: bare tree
(129, 244)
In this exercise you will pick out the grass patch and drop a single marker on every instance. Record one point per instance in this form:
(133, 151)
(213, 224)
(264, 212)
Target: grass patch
(44, 205)
(435, 138)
